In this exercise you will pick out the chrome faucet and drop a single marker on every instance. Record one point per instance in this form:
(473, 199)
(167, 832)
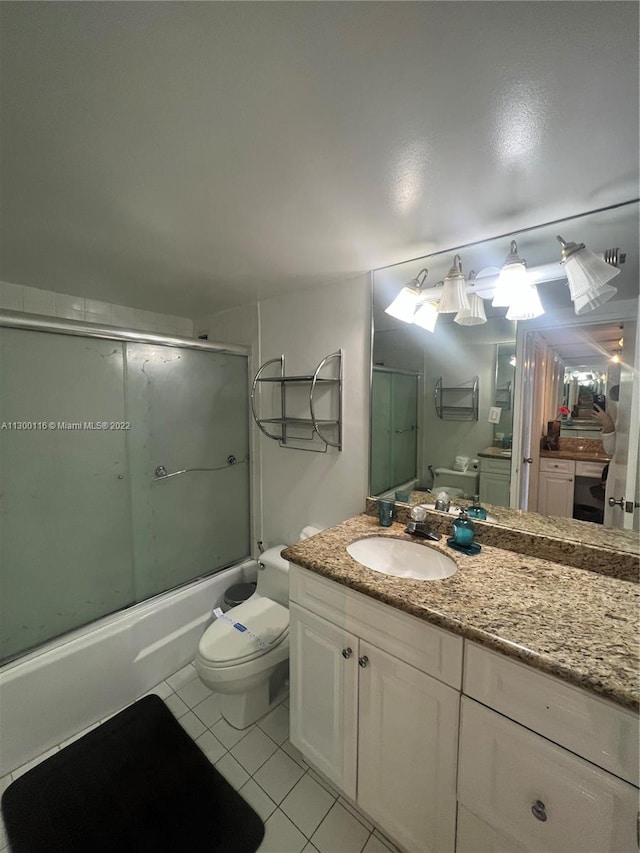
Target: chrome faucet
(418, 526)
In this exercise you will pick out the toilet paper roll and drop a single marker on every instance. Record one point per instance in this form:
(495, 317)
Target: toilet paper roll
(271, 557)
(309, 531)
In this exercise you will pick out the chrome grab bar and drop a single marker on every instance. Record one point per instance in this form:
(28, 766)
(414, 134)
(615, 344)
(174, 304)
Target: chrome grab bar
(161, 472)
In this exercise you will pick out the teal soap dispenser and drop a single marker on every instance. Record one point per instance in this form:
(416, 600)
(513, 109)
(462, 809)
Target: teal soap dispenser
(476, 510)
(463, 532)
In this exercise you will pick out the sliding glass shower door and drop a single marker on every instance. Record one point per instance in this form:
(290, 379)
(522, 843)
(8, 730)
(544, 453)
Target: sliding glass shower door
(123, 473)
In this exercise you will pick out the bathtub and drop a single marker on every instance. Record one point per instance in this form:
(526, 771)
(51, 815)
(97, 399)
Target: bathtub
(70, 683)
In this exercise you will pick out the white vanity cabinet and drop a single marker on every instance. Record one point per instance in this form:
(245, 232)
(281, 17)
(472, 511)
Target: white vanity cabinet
(381, 724)
(555, 487)
(495, 477)
(569, 791)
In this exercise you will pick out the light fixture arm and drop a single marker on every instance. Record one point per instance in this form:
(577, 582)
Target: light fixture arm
(568, 249)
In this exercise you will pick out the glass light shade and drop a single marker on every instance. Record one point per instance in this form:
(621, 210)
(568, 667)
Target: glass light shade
(588, 301)
(512, 277)
(404, 305)
(454, 295)
(586, 272)
(474, 315)
(526, 304)
(426, 316)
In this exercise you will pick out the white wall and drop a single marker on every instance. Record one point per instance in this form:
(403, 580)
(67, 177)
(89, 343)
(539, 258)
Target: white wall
(34, 300)
(293, 488)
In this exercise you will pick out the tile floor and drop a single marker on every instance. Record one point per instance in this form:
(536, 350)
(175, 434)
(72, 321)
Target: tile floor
(302, 812)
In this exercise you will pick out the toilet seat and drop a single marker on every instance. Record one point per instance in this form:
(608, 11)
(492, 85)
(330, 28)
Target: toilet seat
(225, 645)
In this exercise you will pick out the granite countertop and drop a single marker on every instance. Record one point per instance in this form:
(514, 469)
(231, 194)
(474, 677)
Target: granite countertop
(495, 453)
(577, 625)
(578, 455)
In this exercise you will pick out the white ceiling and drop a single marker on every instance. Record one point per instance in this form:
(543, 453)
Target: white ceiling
(188, 157)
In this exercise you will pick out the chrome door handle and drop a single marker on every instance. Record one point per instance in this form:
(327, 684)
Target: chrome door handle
(538, 810)
(346, 653)
(363, 661)
(528, 459)
(614, 502)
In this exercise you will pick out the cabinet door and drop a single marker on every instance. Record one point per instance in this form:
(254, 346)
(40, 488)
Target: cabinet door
(540, 795)
(494, 489)
(407, 746)
(555, 494)
(324, 696)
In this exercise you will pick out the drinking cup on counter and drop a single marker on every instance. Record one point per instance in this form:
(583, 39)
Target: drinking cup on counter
(386, 511)
(403, 495)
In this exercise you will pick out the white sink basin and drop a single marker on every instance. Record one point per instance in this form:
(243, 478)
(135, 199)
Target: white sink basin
(402, 559)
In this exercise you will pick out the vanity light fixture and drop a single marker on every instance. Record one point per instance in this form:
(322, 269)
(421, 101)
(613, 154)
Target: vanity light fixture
(404, 305)
(512, 361)
(473, 315)
(526, 304)
(454, 294)
(426, 315)
(588, 275)
(615, 358)
(513, 276)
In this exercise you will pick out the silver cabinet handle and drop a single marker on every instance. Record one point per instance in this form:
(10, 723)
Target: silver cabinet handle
(614, 502)
(538, 810)
(363, 661)
(346, 653)
(528, 459)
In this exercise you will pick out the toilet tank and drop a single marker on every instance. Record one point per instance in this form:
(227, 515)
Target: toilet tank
(468, 481)
(273, 576)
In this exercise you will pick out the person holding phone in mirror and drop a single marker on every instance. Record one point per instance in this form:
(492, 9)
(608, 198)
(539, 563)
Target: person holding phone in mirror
(607, 423)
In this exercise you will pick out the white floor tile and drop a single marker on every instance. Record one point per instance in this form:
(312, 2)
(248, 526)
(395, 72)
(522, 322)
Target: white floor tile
(374, 845)
(208, 711)
(175, 704)
(281, 836)
(257, 799)
(232, 771)
(182, 676)
(307, 804)
(78, 735)
(356, 813)
(226, 733)
(253, 750)
(294, 752)
(33, 762)
(276, 724)
(162, 690)
(194, 692)
(193, 726)
(211, 747)
(340, 832)
(278, 775)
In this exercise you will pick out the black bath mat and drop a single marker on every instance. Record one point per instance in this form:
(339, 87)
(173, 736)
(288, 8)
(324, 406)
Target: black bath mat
(137, 783)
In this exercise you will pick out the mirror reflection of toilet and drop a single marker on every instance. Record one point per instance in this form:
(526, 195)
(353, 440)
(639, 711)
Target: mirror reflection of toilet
(457, 484)
(244, 655)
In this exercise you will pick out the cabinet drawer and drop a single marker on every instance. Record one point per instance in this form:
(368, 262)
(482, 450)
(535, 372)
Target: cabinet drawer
(537, 793)
(429, 649)
(557, 466)
(476, 836)
(590, 469)
(496, 466)
(594, 728)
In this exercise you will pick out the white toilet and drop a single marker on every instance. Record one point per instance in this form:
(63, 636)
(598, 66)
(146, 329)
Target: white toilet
(244, 656)
(457, 484)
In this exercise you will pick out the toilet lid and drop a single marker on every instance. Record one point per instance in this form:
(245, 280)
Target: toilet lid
(247, 631)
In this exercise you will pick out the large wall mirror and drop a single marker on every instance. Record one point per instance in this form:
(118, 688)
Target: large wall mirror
(465, 405)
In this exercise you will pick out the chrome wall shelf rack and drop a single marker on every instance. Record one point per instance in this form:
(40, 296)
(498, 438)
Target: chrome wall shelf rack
(457, 402)
(290, 431)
